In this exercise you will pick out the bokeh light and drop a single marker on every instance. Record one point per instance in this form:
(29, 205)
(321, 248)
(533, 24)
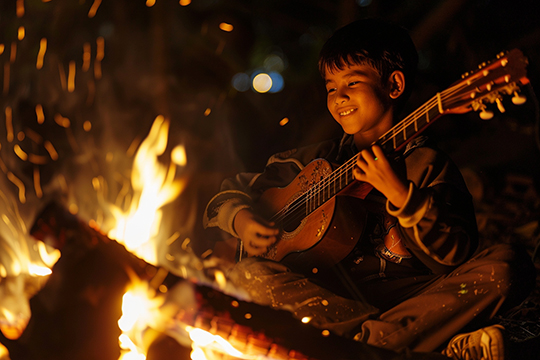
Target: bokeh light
(277, 82)
(241, 82)
(262, 82)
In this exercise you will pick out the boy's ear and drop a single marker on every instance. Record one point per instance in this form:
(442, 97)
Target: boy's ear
(396, 83)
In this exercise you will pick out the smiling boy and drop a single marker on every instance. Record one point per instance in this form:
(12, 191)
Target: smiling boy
(411, 281)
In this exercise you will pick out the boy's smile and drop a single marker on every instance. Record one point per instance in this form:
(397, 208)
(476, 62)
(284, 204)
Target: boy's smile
(358, 102)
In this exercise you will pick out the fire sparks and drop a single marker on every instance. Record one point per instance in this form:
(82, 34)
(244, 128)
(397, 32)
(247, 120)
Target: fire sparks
(93, 10)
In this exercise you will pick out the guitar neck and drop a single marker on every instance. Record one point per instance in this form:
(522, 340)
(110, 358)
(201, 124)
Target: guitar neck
(407, 129)
(393, 140)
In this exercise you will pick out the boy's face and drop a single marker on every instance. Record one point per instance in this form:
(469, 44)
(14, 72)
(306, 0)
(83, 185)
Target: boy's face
(357, 99)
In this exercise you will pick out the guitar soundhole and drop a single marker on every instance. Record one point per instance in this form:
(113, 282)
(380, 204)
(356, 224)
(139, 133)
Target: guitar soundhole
(291, 230)
(295, 218)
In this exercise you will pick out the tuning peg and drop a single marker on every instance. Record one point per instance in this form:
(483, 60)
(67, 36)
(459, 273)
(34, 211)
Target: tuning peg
(500, 105)
(518, 99)
(486, 114)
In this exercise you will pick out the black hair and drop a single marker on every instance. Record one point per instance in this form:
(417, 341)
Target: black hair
(384, 46)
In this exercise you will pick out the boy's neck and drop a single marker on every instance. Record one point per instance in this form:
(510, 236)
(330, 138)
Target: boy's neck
(364, 139)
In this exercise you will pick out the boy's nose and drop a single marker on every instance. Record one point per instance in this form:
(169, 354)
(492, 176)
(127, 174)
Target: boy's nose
(341, 96)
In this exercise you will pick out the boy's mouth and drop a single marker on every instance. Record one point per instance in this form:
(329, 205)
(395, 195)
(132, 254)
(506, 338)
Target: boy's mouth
(347, 112)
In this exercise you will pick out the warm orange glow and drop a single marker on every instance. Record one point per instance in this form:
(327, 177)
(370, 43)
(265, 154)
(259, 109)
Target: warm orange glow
(185, 2)
(150, 3)
(284, 121)
(37, 183)
(62, 121)
(20, 185)
(50, 149)
(41, 53)
(86, 56)
(13, 54)
(71, 76)
(48, 258)
(207, 111)
(21, 33)
(87, 126)
(39, 114)
(9, 124)
(20, 8)
(100, 54)
(93, 10)
(178, 156)
(226, 27)
(2, 48)
(37, 159)
(20, 152)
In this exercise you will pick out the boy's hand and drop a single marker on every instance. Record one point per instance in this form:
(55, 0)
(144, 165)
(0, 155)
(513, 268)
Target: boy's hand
(256, 234)
(373, 167)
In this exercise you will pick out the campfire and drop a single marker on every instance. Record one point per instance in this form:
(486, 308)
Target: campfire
(119, 274)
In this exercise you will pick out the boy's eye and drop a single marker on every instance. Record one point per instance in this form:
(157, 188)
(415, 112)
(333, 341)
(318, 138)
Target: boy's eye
(353, 83)
(328, 91)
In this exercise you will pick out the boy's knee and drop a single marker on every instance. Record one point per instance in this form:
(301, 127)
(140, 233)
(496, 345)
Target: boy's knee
(510, 268)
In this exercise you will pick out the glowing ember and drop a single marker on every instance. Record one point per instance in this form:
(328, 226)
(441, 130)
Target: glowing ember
(203, 341)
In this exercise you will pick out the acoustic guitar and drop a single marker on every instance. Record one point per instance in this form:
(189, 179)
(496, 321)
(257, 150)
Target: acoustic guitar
(314, 209)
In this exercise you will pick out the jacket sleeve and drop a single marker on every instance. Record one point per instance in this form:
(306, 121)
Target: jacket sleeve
(243, 190)
(437, 222)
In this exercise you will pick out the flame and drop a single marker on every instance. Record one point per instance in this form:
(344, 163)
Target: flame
(154, 185)
(203, 340)
(140, 309)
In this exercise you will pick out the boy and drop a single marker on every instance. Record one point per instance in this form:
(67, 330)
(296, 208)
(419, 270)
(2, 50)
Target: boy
(411, 281)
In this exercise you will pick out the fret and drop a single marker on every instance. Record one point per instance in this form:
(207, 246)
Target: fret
(412, 129)
(439, 103)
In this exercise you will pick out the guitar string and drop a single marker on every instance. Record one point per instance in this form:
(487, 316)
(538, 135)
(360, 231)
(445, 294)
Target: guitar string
(315, 191)
(303, 201)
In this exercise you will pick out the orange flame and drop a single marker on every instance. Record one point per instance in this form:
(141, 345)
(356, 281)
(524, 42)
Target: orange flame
(154, 185)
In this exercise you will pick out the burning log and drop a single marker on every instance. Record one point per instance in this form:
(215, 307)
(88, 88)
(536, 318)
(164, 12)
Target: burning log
(75, 315)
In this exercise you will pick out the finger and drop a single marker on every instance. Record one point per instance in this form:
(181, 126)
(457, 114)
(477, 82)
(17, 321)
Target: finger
(263, 241)
(266, 231)
(358, 173)
(377, 152)
(254, 250)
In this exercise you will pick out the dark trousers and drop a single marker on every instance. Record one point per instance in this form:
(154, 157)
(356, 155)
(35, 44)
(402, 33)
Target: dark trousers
(439, 307)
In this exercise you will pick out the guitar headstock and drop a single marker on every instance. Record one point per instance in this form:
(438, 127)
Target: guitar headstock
(487, 85)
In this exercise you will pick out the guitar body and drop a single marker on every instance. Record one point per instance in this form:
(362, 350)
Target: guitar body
(338, 220)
